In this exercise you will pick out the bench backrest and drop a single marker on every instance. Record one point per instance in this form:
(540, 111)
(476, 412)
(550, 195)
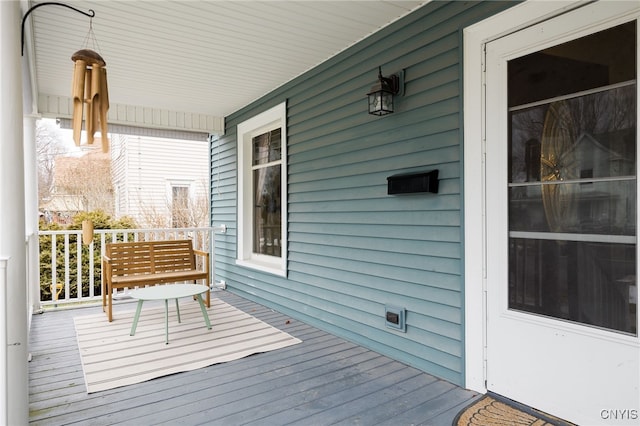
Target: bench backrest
(150, 257)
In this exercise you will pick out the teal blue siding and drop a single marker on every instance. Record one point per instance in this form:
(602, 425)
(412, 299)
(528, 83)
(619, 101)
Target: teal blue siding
(353, 248)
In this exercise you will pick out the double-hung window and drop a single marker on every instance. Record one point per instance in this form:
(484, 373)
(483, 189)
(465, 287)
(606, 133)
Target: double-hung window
(180, 206)
(262, 184)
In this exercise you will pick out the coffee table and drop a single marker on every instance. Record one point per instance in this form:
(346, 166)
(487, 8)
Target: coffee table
(166, 292)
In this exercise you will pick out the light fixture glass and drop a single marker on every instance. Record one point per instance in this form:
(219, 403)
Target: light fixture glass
(380, 103)
(381, 95)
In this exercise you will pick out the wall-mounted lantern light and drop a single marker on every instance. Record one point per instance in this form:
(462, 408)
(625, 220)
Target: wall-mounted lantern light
(382, 93)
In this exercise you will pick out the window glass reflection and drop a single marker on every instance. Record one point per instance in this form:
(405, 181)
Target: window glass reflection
(267, 147)
(267, 211)
(585, 137)
(587, 282)
(572, 181)
(605, 208)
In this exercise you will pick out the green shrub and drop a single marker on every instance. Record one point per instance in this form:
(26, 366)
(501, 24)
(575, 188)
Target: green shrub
(100, 220)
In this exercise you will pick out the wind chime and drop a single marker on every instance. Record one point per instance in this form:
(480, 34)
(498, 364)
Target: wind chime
(89, 88)
(90, 94)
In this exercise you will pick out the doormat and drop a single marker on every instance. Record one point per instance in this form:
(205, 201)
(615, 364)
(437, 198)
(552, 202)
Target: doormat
(492, 410)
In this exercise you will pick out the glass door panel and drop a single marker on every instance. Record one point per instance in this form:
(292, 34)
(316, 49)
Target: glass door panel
(572, 181)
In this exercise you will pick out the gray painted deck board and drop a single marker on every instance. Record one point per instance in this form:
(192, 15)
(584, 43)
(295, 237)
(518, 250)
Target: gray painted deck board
(324, 380)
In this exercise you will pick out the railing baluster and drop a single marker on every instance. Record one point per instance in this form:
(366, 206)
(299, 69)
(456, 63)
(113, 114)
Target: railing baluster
(79, 265)
(54, 271)
(91, 271)
(66, 267)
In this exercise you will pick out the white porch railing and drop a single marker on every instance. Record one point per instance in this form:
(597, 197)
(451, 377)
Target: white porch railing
(72, 272)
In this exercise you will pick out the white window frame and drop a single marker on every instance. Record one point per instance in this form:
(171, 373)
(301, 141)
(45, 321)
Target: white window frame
(266, 121)
(178, 183)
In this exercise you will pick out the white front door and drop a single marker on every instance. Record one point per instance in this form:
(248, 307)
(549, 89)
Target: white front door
(561, 196)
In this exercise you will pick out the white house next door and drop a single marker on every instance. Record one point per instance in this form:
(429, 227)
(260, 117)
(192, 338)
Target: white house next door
(561, 196)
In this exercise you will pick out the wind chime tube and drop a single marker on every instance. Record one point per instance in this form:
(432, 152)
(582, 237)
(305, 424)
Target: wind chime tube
(78, 98)
(86, 109)
(104, 107)
(93, 103)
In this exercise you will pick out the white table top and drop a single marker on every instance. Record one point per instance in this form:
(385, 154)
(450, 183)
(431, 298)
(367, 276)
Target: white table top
(168, 291)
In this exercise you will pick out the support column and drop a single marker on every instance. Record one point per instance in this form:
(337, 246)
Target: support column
(12, 212)
(31, 217)
(4, 367)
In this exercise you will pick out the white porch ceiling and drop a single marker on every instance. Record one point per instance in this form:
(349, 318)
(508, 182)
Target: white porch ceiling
(200, 57)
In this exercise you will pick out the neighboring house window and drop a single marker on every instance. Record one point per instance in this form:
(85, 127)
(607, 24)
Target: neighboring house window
(180, 206)
(262, 187)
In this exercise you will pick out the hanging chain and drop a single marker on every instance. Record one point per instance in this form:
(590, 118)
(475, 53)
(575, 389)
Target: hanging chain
(91, 37)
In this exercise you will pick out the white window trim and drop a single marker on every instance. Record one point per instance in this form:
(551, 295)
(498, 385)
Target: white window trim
(177, 183)
(271, 119)
(181, 183)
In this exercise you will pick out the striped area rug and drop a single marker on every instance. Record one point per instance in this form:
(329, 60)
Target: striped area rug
(112, 358)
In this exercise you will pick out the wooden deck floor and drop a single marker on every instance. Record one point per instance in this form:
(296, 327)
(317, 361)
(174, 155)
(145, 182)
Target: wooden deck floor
(324, 380)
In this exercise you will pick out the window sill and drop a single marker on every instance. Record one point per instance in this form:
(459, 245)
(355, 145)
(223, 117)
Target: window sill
(269, 268)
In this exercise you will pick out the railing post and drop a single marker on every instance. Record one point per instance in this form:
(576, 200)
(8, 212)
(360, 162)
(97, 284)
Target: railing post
(33, 274)
(223, 230)
(212, 262)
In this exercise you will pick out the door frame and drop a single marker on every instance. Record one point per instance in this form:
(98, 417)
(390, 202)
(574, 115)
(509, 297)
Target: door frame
(474, 183)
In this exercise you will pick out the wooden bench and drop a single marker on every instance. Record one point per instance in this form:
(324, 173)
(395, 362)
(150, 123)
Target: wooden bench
(141, 263)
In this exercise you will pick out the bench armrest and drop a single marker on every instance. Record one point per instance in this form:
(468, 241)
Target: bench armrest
(201, 253)
(106, 267)
(206, 259)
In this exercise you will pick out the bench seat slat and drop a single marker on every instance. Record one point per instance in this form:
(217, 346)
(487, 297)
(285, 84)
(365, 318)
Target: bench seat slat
(165, 277)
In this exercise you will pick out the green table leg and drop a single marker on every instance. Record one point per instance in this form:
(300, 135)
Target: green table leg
(135, 319)
(166, 321)
(178, 310)
(204, 312)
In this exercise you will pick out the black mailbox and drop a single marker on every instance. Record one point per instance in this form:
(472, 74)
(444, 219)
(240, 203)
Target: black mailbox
(409, 183)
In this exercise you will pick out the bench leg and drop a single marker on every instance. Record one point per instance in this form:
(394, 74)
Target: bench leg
(109, 307)
(204, 312)
(136, 318)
